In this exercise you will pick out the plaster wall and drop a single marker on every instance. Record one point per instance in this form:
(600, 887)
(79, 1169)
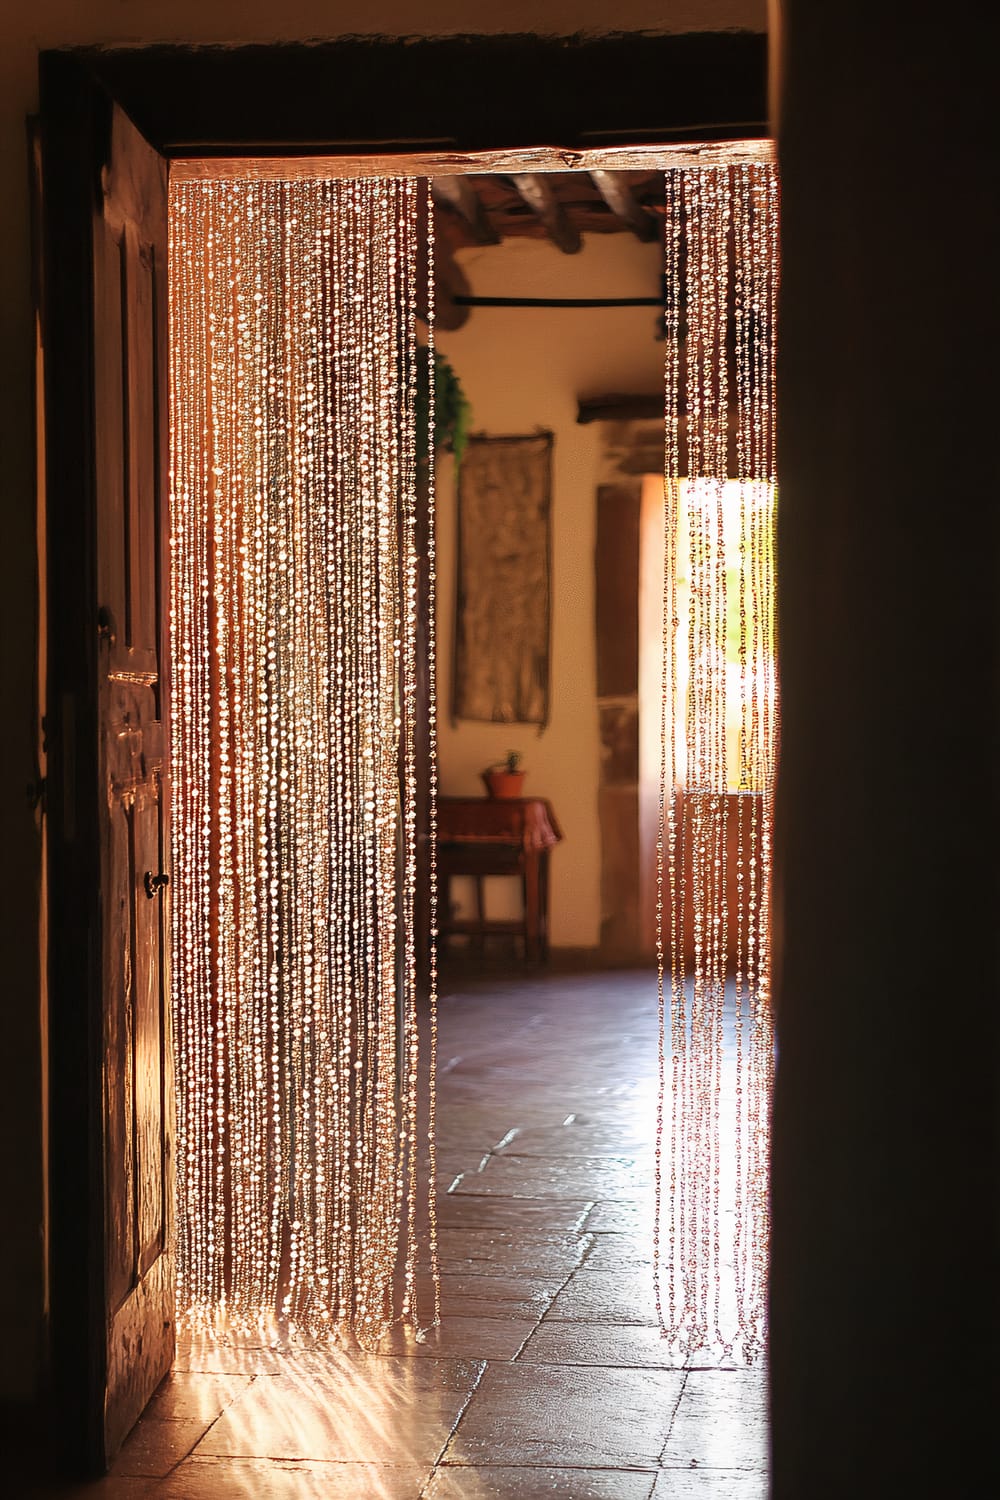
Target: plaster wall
(27, 29)
(525, 369)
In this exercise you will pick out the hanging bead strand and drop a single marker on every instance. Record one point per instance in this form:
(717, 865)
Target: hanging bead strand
(716, 798)
(294, 618)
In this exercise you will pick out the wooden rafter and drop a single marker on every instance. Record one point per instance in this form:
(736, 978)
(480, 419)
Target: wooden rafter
(449, 283)
(449, 278)
(458, 194)
(537, 193)
(617, 193)
(483, 163)
(630, 408)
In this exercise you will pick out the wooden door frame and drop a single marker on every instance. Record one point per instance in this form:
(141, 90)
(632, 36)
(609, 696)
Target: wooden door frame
(353, 97)
(76, 1268)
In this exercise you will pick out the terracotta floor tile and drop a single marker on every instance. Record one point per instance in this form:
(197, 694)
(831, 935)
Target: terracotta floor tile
(577, 1135)
(112, 1487)
(635, 1346)
(529, 1293)
(156, 1446)
(562, 1417)
(545, 1254)
(468, 1211)
(518, 1070)
(620, 1217)
(558, 1177)
(497, 1338)
(502, 1483)
(274, 1479)
(489, 1251)
(202, 1355)
(618, 1297)
(195, 1397)
(709, 1484)
(372, 1409)
(479, 1295)
(721, 1422)
(451, 1164)
(620, 1252)
(468, 1305)
(479, 1126)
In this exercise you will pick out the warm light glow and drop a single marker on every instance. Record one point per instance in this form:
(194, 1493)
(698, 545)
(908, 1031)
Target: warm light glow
(718, 644)
(742, 506)
(294, 610)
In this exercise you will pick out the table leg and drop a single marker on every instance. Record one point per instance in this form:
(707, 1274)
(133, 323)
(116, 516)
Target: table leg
(443, 912)
(532, 909)
(543, 904)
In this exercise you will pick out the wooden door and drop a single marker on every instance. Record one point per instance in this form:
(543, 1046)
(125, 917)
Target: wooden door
(130, 433)
(104, 197)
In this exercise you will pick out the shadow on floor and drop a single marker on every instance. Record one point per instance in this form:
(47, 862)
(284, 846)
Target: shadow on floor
(548, 1376)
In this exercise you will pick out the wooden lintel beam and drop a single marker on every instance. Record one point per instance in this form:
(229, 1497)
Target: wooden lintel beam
(538, 195)
(629, 408)
(617, 193)
(458, 194)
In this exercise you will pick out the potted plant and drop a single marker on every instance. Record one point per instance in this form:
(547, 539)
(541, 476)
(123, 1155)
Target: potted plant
(505, 778)
(452, 412)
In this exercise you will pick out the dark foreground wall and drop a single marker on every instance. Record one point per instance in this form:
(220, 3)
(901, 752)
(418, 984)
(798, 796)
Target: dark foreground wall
(885, 1182)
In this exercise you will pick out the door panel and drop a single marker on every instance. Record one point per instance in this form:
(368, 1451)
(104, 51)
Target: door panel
(129, 468)
(119, 1083)
(148, 1023)
(140, 275)
(104, 196)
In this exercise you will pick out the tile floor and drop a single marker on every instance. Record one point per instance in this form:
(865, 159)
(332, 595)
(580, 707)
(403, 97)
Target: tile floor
(548, 1377)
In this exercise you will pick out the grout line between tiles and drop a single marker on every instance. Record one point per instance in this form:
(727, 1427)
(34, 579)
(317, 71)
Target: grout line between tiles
(673, 1414)
(157, 1479)
(569, 1277)
(483, 1366)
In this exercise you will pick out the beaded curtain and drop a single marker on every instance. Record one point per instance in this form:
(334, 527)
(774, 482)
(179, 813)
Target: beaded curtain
(294, 599)
(716, 798)
(293, 384)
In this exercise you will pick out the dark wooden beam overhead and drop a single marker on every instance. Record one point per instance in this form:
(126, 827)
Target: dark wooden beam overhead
(367, 95)
(540, 198)
(625, 408)
(449, 283)
(458, 194)
(614, 188)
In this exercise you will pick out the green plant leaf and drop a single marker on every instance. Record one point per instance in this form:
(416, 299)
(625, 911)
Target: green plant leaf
(452, 412)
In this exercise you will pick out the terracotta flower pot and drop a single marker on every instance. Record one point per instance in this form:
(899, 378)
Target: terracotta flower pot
(500, 783)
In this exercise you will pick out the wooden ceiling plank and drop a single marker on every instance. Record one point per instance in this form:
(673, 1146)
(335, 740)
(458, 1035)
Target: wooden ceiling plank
(540, 198)
(617, 193)
(458, 194)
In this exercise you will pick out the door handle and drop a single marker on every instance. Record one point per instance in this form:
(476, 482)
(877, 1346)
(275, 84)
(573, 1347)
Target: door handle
(107, 629)
(154, 883)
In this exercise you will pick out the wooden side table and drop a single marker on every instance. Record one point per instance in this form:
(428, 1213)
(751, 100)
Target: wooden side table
(479, 836)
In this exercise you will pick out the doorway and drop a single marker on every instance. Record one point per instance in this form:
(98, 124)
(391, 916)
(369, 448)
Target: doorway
(246, 547)
(78, 130)
(180, 768)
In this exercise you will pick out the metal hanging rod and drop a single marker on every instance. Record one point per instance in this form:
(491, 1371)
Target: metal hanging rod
(460, 301)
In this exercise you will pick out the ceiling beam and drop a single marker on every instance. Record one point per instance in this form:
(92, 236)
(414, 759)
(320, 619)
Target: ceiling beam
(617, 193)
(449, 283)
(449, 279)
(538, 195)
(620, 409)
(458, 194)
